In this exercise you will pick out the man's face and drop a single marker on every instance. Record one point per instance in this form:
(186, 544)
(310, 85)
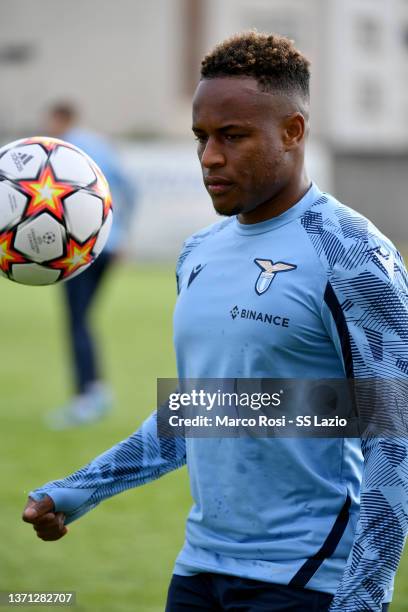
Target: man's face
(241, 143)
(56, 124)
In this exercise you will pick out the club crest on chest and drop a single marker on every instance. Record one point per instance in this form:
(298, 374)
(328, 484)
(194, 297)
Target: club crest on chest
(268, 272)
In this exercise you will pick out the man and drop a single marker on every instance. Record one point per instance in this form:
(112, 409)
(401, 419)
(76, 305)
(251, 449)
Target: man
(92, 396)
(277, 523)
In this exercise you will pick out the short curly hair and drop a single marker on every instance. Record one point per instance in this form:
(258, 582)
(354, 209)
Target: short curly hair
(271, 59)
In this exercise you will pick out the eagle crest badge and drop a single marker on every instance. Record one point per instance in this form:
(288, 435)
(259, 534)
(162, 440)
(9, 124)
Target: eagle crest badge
(268, 272)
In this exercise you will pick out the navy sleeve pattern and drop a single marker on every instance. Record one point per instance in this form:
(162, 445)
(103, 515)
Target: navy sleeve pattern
(365, 308)
(139, 459)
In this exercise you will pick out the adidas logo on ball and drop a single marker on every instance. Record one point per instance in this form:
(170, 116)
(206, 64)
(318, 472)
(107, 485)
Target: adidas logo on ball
(20, 160)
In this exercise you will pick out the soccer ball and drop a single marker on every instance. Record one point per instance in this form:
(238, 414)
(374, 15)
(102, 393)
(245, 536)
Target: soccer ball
(55, 211)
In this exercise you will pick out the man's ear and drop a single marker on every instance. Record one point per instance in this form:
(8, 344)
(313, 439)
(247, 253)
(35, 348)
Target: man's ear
(294, 129)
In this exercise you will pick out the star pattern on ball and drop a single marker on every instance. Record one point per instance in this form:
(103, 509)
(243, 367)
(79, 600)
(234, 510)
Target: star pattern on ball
(47, 143)
(8, 255)
(101, 188)
(78, 255)
(46, 193)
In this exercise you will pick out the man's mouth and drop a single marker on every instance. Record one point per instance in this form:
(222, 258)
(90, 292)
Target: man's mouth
(218, 185)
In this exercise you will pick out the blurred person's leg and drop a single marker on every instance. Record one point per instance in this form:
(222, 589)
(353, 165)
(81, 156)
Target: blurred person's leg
(80, 294)
(92, 398)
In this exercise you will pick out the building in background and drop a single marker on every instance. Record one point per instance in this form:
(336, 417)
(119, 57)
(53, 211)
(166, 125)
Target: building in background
(120, 61)
(132, 66)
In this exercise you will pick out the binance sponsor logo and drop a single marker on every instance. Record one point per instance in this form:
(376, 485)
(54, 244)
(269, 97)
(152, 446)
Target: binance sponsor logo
(255, 315)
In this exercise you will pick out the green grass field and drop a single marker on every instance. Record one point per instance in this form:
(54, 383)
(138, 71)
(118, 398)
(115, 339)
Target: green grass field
(120, 556)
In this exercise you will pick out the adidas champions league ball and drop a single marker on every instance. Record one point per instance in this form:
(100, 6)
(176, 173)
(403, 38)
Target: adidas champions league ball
(55, 211)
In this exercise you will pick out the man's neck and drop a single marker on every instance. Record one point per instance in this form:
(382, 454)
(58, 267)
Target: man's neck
(289, 195)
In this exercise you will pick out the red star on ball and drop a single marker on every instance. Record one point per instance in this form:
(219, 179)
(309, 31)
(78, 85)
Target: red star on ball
(46, 193)
(48, 143)
(78, 255)
(101, 188)
(8, 255)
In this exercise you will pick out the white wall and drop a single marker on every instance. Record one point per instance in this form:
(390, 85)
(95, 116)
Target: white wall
(118, 59)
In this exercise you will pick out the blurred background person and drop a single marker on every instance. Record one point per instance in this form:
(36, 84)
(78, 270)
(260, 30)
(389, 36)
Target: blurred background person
(93, 396)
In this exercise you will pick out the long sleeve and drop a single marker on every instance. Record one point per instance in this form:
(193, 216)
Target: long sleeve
(366, 312)
(139, 459)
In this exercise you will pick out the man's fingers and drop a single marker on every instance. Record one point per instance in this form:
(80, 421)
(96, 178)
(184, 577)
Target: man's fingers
(48, 529)
(51, 535)
(45, 519)
(60, 516)
(48, 524)
(50, 521)
(51, 527)
(36, 509)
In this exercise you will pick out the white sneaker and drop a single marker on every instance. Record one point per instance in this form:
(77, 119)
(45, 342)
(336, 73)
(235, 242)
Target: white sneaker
(83, 409)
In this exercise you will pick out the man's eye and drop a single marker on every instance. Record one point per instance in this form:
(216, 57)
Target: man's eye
(200, 138)
(234, 136)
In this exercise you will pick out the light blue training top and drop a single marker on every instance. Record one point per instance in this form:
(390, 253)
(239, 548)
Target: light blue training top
(326, 514)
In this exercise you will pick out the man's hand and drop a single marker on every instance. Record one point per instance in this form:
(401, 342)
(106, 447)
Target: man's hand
(48, 524)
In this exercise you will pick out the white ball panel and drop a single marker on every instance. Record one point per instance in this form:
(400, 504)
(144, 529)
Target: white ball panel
(33, 274)
(84, 213)
(70, 165)
(103, 234)
(11, 145)
(41, 238)
(23, 162)
(12, 204)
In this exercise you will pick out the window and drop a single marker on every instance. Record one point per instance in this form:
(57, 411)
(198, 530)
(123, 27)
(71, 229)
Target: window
(369, 96)
(16, 53)
(404, 35)
(368, 33)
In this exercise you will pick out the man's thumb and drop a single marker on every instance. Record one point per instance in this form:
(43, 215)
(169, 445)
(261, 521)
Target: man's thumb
(36, 509)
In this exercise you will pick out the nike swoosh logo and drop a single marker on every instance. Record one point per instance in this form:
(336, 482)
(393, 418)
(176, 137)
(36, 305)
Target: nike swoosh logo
(194, 273)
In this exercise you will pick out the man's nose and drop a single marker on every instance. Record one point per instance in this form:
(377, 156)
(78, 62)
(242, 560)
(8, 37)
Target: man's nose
(212, 155)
